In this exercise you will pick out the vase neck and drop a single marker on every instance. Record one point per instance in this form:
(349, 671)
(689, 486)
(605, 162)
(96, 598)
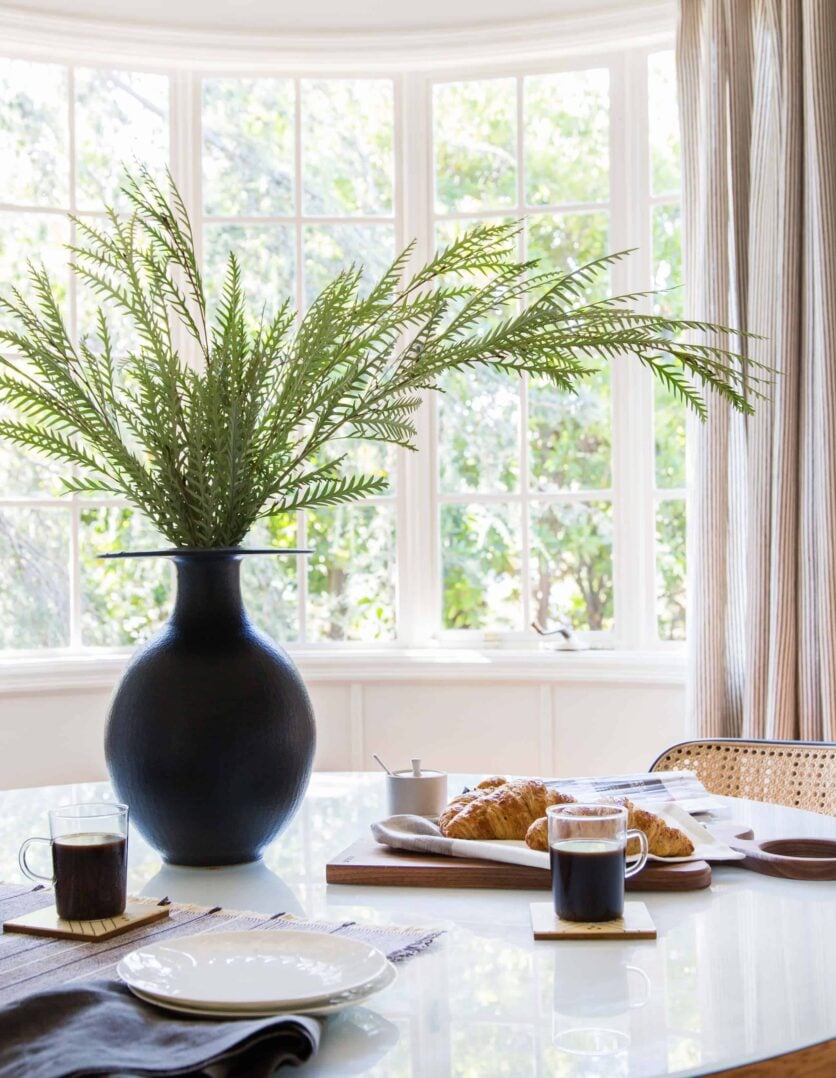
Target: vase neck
(208, 592)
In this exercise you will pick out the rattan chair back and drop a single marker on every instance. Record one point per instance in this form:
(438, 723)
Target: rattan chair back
(801, 774)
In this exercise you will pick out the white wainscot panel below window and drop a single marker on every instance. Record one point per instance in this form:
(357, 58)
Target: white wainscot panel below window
(455, 727)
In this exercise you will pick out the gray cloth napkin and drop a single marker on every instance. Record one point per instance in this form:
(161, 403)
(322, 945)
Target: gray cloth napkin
(100, 1028)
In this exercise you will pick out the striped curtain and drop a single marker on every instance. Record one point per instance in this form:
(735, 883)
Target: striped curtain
(757, 81)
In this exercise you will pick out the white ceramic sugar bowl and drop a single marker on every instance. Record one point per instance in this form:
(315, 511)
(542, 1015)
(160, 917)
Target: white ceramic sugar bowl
(416, 792)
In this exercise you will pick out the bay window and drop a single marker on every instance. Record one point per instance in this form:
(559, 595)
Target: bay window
(523, 504)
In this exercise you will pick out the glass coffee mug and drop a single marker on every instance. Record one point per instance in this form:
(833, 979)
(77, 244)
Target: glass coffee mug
(587, 846)
(89, 860)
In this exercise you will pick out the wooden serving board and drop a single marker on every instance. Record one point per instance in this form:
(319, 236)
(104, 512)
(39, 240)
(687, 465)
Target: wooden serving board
(367, 863)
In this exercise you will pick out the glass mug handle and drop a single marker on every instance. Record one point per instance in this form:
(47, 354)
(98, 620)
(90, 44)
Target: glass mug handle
(24, 867)
(639, 865)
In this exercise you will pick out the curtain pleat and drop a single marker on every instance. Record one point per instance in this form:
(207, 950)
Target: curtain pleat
(758, 108)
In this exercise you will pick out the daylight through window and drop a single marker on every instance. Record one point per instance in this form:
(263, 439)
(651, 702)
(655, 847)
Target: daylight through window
(530, 505)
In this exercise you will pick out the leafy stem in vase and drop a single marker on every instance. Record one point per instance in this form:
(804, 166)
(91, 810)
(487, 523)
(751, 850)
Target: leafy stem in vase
(205, 448)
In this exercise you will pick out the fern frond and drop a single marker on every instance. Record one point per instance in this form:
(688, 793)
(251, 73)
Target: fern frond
(347, 488)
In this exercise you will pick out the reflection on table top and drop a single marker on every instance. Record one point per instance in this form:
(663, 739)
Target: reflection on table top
(740, 972)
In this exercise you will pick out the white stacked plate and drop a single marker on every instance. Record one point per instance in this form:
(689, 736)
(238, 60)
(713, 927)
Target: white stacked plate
(256, 974)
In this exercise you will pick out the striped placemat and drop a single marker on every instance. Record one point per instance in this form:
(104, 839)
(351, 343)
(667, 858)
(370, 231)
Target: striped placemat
(33, 963)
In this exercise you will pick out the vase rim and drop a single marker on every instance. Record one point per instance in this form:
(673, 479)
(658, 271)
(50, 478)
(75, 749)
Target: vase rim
(203, 552)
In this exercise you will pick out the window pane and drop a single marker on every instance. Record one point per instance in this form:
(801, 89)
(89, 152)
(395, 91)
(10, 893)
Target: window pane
(124, 337)
(269, 583)
(479, 410)
(248, 147)
(39, 237)
(331, 248)
(670, 425)
(367, 457)
(571, 564)
(126, 600)
(474, 126)
(347, 146)
(351, 573)
(121, 118)
(266, 255)
(567, 137)
(570, 437)
(478, 431)
(667, 259)
(664, 122)
(568, 240)
(670, 569)
(670, 411)
(35, 597)
(34, 134)
(24, 474)
(480, 547)
(446, 233)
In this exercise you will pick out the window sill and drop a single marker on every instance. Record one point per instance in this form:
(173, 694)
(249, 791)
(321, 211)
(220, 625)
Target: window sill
(99, 670)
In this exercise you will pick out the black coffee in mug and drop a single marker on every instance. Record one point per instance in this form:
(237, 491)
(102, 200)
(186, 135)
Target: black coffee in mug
(89, 846)
(90, 872)
(588, 879)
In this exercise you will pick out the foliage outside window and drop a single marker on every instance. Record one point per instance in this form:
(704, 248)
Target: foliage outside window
(303, 176)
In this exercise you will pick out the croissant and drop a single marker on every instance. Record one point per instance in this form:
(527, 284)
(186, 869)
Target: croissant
(491, 782)
(537, 836)
(505, 812)
(482, 790)
(557, 797)
(455, 807)
(458, 803)
(662, 840)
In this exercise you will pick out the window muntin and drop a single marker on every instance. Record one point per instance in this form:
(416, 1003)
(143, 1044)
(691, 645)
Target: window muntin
(34, 133)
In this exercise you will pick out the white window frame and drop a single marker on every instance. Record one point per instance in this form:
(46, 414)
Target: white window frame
(634, 496)
(633, 493)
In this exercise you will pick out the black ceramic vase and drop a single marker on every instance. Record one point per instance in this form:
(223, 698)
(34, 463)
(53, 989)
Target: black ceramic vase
(211, 735)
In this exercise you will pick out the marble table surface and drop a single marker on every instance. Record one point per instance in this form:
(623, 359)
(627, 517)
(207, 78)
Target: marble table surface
(739, 972)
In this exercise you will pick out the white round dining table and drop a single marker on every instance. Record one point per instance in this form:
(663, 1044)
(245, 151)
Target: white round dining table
(742, 971)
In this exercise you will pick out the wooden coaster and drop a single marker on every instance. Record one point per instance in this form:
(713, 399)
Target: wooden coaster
(46, 922)
(636, 924)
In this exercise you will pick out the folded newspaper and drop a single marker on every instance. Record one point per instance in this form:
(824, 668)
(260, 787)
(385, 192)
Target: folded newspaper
(645, 788)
